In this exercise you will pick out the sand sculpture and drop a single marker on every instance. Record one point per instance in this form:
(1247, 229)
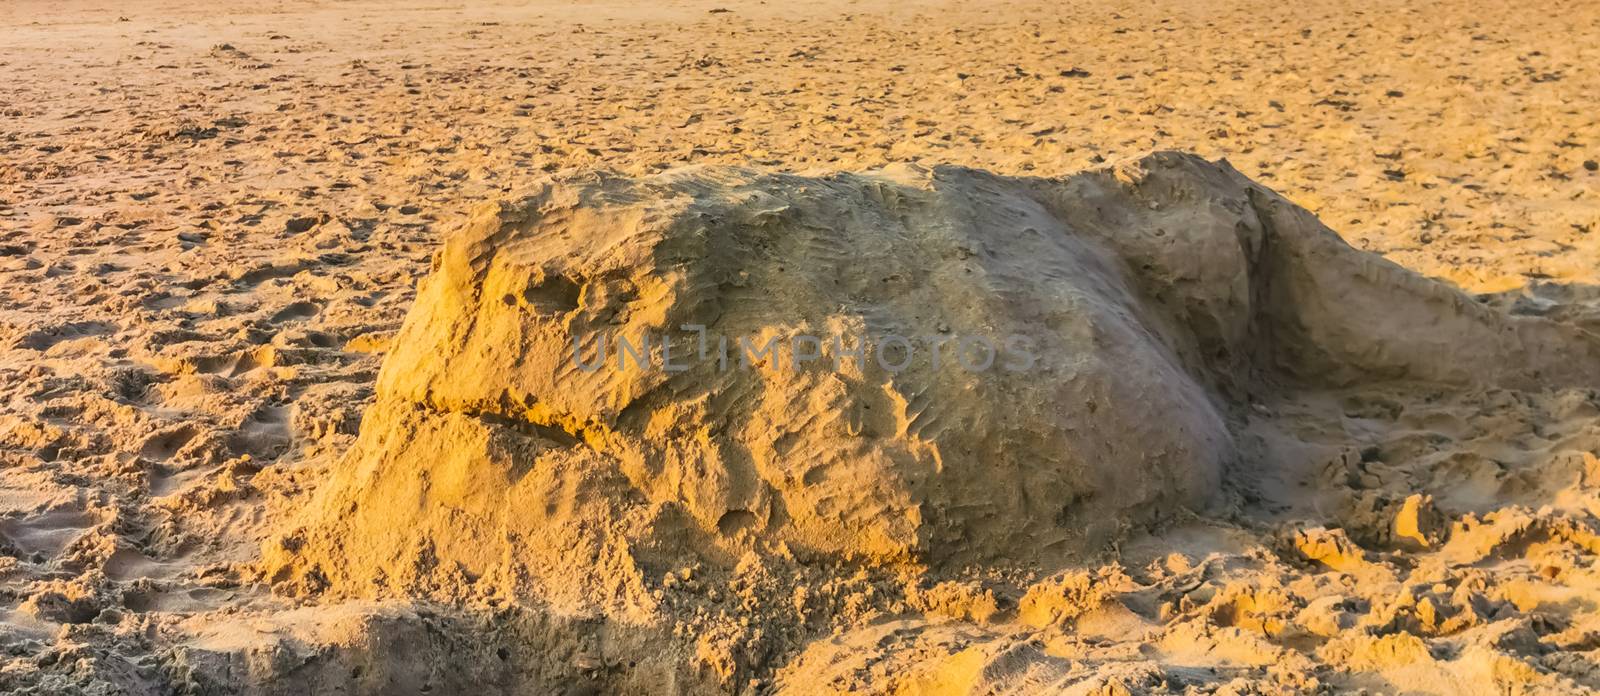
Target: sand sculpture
(905, 366)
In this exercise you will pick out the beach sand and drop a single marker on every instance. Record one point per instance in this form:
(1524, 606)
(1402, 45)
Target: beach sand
(214, 217)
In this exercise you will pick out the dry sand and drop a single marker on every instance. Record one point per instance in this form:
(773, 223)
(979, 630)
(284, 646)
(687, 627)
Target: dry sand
(213, 221)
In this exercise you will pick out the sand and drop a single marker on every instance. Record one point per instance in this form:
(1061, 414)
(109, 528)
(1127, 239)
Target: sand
(212, 222)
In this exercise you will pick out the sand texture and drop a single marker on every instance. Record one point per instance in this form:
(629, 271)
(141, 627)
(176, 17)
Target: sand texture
(288, 295)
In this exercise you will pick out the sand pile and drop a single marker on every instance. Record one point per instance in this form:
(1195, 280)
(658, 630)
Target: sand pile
(1148, 428)
(579, 400)
(213, 220)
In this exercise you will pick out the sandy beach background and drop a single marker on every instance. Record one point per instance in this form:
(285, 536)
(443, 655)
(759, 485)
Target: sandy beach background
(213, 217)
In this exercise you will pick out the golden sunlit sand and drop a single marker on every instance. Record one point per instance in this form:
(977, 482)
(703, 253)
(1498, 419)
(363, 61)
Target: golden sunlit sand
(289, 294)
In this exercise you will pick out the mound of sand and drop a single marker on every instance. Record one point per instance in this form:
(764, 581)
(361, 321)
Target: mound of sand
(962, 368)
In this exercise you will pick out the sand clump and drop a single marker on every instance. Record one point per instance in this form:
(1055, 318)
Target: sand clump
(926, 463)
(1168, 299)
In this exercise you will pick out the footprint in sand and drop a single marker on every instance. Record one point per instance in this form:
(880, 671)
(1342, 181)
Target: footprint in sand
(165, 444)
(297, 311)
(43, 536)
